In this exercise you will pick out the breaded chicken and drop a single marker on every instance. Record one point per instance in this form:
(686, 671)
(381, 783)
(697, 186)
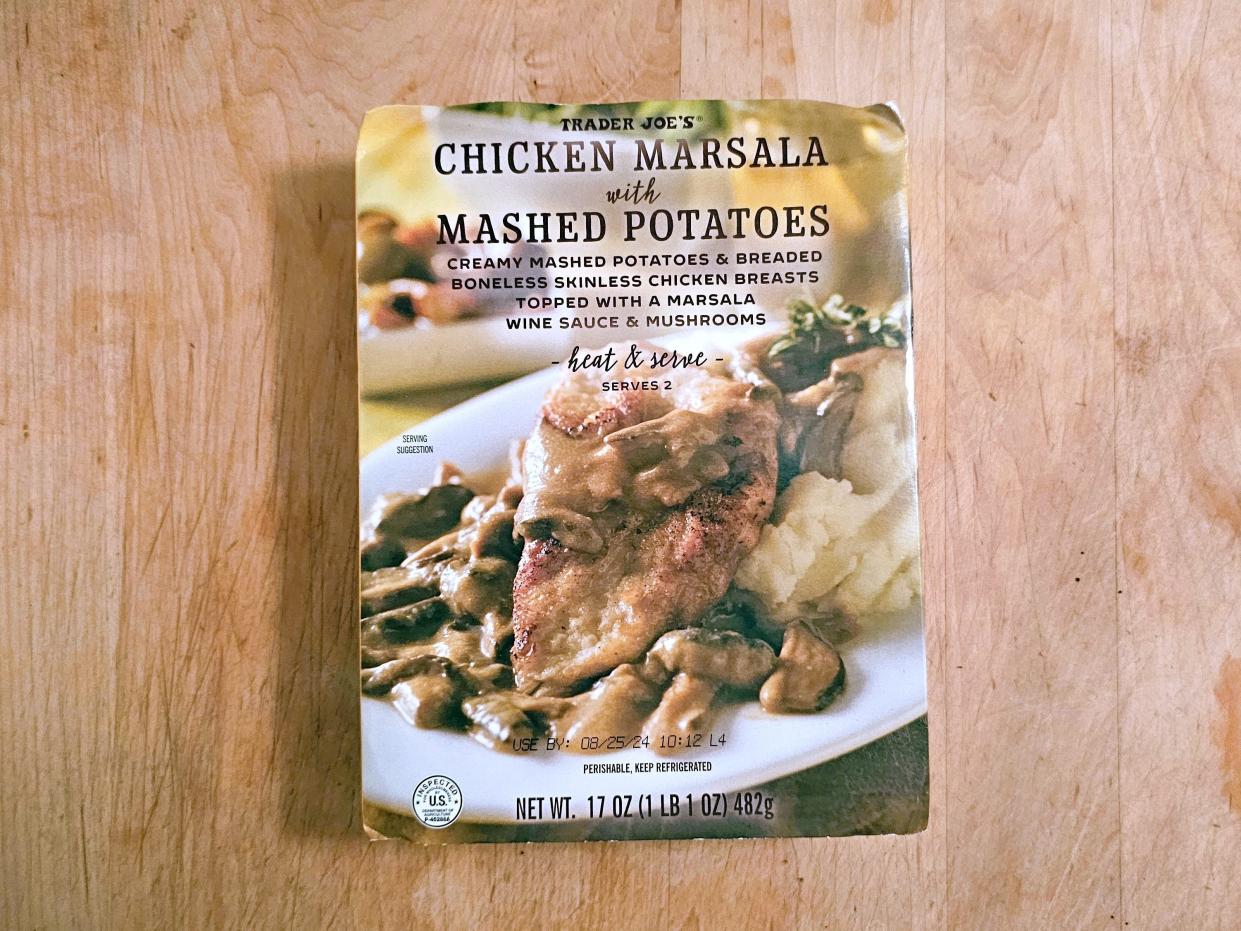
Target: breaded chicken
(639, 506)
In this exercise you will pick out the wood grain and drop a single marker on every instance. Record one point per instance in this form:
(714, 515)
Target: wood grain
(178, 420)
(1032, 633)
(1178, 464)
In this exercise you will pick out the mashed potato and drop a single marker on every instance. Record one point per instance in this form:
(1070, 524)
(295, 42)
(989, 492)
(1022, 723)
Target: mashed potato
(848, 545)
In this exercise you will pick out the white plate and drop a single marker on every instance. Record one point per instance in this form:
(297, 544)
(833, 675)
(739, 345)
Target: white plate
(416, 357)
(886, 665)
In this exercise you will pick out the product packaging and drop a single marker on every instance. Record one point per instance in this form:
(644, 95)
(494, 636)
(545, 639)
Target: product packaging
(640, 538)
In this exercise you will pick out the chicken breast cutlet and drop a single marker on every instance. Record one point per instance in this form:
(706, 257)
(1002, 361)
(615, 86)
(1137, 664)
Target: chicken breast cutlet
(639, 506)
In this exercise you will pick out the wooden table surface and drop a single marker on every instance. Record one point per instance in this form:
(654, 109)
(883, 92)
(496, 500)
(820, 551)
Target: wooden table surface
(178, 422)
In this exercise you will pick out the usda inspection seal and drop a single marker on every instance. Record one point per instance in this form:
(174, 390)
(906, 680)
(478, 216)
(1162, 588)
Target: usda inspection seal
(437, 801)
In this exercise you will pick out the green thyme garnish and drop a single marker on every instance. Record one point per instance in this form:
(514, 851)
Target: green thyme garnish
(809, 326)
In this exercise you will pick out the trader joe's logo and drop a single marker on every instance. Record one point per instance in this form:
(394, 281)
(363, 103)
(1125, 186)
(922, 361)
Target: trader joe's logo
(437, 801)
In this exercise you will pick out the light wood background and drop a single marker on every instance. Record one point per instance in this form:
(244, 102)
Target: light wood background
(177, 427)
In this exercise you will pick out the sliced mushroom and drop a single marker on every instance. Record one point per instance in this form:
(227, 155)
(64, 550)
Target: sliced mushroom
(685, 709)
(812, 438)
(405, 624)
(723, 656)
(379, 553)
(735, 611)
(431, 697)
(423, 515)
(478, 587)
(616, 705)
(809, 675)
(497, 719)
(384, 253)
(381, 679)
(494, 534)
(388, 588)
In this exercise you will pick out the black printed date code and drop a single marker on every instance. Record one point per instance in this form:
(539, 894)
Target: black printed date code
(587, 743)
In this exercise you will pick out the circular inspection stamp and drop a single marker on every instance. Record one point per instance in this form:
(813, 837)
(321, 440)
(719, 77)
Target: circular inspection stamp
(436, 802)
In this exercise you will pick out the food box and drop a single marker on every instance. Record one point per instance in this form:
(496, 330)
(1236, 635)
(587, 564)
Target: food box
(640, 541)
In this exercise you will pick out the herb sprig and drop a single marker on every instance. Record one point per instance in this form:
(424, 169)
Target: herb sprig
(811, 325)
